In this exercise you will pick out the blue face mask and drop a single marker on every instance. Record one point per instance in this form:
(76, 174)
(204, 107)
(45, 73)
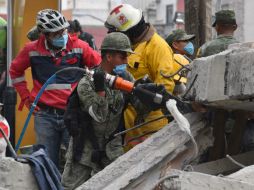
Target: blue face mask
(189, 48)
(61, 41)
(120, 69)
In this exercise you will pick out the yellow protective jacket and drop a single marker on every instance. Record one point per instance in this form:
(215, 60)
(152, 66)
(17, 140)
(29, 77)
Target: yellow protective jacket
(178, 61)
(152, 56)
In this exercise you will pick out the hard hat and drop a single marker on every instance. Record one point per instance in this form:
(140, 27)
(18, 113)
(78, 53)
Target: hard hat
(123, 17)
(116, 41)
(49, 20)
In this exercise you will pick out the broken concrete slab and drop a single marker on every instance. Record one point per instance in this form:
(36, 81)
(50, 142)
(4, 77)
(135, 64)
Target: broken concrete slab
(245, 45)
(246, 175)
(145, 163)
(15, 175)
(180, 180)
(209, 84)
(224, 80)
(239, 76)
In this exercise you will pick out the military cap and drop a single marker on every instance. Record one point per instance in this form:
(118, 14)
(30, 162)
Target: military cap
(224, 17)
(116, 41)
(179, 35)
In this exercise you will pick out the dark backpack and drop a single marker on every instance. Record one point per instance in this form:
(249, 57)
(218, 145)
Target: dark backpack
(76, 122)
(79, 125)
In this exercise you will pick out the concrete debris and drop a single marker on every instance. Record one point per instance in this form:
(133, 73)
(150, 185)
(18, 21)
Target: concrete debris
(246, 175)
(143, 165)
(226, 79)
(15, 175)
(181, 180)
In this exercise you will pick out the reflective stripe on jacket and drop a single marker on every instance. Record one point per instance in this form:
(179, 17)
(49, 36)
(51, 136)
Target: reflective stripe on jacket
(44, 64)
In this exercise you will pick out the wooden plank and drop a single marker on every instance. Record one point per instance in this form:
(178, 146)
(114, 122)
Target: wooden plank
(235, 139)
(218, 149)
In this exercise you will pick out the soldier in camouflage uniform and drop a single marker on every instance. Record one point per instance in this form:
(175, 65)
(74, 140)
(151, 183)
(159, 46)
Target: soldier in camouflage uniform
(222, 120)
(105, 107)
(225, 25)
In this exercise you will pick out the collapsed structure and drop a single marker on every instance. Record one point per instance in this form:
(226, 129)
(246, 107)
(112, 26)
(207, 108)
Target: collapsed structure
(166, 160)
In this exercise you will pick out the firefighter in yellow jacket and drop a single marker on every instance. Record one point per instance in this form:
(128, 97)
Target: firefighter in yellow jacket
(152, 56)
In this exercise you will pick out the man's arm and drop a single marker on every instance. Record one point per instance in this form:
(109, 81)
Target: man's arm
(161, 60)
(91, 101)
(17, 73)
(91, 58)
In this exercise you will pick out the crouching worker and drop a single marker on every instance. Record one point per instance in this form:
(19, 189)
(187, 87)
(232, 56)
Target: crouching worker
(94, 115)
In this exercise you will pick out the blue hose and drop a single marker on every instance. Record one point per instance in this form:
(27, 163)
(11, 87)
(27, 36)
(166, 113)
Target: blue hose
(51, 80)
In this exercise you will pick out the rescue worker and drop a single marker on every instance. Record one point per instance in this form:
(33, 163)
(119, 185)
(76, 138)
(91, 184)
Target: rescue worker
(152, 56)
(103, 107)
(181, 44)
(75, 29)
(225, 25)
(222, 120)
(53, 51)
(3, 51)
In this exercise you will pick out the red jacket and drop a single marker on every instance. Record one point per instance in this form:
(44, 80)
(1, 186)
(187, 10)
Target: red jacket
(44, 64)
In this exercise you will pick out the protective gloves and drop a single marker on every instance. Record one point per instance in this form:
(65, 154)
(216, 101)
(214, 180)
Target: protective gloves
(99, 80)
(143, 80)
(155, 97)
(151, 95)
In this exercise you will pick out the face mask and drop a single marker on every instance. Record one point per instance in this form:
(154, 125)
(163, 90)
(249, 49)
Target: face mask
(120, 69)
(189, 48)
(61, 41)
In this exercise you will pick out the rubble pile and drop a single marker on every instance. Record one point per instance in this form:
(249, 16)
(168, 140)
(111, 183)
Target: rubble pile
(16, 175)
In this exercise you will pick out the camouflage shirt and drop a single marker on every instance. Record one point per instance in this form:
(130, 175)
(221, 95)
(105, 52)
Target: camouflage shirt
(106, 113)
(216, 46)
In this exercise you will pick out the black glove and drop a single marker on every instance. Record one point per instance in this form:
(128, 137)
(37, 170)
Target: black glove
(99, 80)
(148, 95)
(143, 80)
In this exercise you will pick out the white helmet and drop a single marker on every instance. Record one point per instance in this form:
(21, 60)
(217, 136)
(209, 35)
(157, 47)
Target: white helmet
(49, 20)
(123, 17)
